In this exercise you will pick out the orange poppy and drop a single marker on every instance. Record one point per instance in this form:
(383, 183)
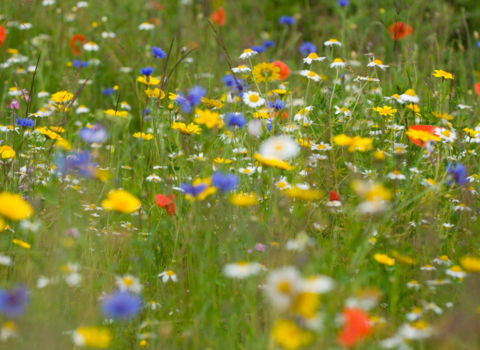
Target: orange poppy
(427, 128)
(356, 326)
(218, 17)
(400, 30)
(166, 202)
(477, 88)
(3, 35)
(73, 43)
(284, 70)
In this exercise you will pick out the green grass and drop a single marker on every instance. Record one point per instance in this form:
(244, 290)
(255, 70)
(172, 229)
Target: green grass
(205, 309)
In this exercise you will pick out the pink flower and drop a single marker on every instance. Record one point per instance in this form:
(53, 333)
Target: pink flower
(260, 247)
(14, 104)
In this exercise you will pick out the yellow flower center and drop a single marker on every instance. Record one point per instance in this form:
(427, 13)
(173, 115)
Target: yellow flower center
(283, 287)
(247, 51)
(253, 98)
(281, 184)
(338, 60)
(410, 92)
(240, 67)
(333, 40)
(444, 258)
(378, 62)
(170, 273)
(313, 56)
(128, 281)
(396, 172)
(311, 74)
(446, 133)
(246, 171)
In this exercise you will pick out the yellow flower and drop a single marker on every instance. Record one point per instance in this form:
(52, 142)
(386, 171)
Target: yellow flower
(184, 129)
(443, 116)
(471, 132)
(379, 155)
(403, 258)
(470, 263)
(306, 304)
(261, 114)
(210, 119)
(57, 128)
(222, 161)
(273, 162)
(49, 133)
(303, 194)
(2, 224)
(14, 207)
(384, 259)
(279, 91)
(63, 144)
(142, 135)
(244, 199)
(443, 74)
(121, 201)
(385, 111)
(414, 108)
(157, 93)
(7, 152)
(354, 143)
(266, 72)
(93, 337)
(422, 135)
(112, 112)
(61, 96)
(290, 336)
(21, 243)
(151, 80)
(212, 103)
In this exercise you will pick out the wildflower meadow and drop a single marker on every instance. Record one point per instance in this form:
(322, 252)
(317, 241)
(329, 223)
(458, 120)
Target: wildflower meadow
(217, 175)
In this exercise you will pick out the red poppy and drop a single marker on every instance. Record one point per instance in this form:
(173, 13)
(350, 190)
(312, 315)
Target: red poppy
(157, 6)
(334, 196)
(284, 70)
(218, 17)
(477, 88)
(3, 35)
(73, 43)
(284, 115)
(166, 202)
(428, 128)
(400, 30)
(356, 326)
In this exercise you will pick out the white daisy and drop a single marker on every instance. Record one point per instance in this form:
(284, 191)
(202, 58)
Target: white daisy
(248, 53)
(377, 63)
(332, 42)
(313, 57)
(338, 63)
(310, 75)
(253, 99)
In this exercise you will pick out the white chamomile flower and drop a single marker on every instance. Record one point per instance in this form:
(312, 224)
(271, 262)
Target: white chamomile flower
(90, 46)
(338, 63)
(241, 69)
(377, 63)
(332, 42)
(168, 275)
(310, 75)
(128, 283)
(253, 99)
(248, 53)
(410, 96)
(313, 57)
(241, 269)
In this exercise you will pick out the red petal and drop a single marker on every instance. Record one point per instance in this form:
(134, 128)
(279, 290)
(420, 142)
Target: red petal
(163, 201)
(334, 196)
(477, 88)
(428, 128)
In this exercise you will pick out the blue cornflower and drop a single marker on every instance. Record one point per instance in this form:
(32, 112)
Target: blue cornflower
(258, 48)
(146, 71)
(194, 97)
(108, 91)
(458, 174)
(289, 20)
(121, 305)
(478, 44)
(224, 182)
(79, 161)
(94, 134)
(268, 43)
(229, 80)
(278, 104)
(25, 122)
(241, 87)
(193, 190)
(13, 302)
(269, 124)
(158, 52)
(307, 48)
(343, 3)
(79, 64)
(235, 119)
